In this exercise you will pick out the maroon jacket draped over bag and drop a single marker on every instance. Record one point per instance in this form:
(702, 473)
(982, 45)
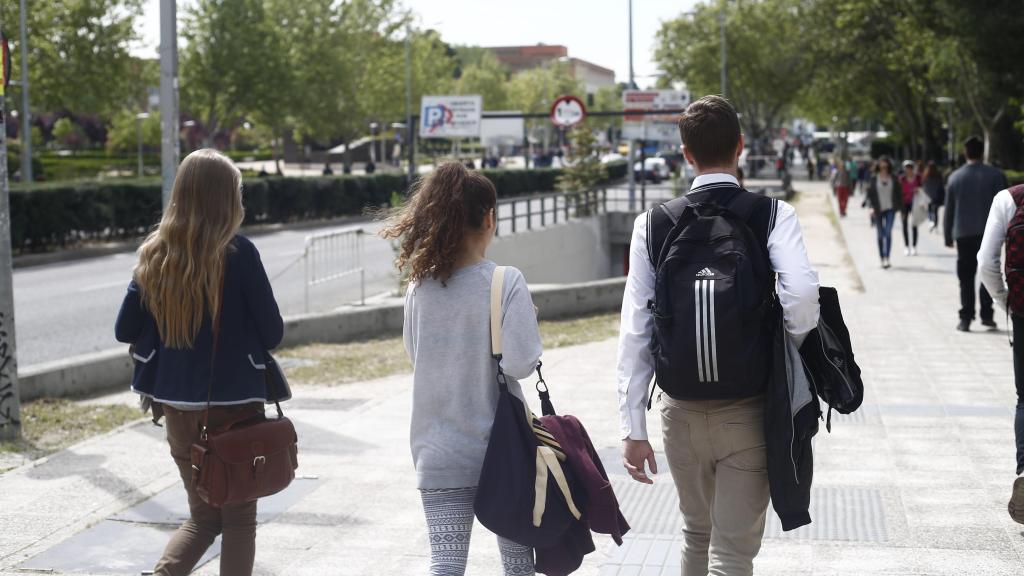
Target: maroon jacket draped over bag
(601, 509)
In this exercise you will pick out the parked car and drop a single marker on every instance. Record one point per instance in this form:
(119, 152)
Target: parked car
(654, 170)
(675, 160)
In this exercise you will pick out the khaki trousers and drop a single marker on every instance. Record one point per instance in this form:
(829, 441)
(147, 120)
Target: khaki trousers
(237, 523)
(716, 453)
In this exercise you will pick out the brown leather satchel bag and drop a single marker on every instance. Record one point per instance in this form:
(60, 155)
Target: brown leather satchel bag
(244, 460)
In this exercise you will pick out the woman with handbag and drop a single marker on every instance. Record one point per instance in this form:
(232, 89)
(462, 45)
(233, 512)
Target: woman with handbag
(910, 181)
(200, 315)
(445, 229)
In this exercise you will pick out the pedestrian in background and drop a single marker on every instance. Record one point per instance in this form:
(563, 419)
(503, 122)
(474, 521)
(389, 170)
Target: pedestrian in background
(935, 188)
(884, 195)
(909, 183)
(445, 230)
(841, 186)
(199, 314)
(863, 173)
(1005, 207)
(969, 193)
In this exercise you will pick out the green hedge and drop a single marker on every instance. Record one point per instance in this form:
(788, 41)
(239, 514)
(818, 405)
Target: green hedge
(53, 214)
(1015, 177)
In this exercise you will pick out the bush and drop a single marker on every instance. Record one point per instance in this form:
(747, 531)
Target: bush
(1015, 177)
(56, 214)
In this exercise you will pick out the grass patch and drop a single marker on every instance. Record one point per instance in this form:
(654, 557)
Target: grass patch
(52, 424)
(334, 364)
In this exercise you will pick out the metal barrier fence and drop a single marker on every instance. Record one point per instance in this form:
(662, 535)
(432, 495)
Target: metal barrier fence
(331, 256)
(544, 209)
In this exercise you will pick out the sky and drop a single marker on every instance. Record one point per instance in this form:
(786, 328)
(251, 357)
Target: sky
(594, 30)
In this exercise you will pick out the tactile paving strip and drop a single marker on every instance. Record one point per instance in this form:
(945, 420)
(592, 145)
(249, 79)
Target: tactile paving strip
(840, 513)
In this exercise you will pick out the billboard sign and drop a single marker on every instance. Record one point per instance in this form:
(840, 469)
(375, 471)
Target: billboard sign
(661, 128)
(451, 116)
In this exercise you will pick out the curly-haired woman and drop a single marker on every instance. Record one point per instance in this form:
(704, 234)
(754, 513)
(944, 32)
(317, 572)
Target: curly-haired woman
(445, 230)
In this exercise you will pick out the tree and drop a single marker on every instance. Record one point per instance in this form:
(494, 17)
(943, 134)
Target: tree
(123, 135)
(584, 169)
(766, 63)
(487, 77)
(231, 64)
(69, 134)
(78, 52)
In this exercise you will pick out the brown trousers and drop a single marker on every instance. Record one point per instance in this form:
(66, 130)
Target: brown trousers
(236, 523)
(716, 453)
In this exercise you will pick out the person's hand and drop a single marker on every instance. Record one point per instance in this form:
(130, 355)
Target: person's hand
(634, 454)
(950, 244)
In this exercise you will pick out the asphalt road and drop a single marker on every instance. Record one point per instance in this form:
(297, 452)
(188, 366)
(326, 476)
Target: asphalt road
(66, 309)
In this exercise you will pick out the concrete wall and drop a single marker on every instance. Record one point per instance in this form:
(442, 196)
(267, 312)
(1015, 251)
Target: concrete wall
(577, 251)
(111, 370)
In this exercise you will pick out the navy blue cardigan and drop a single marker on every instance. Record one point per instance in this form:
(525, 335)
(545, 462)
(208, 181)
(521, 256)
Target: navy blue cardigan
(250, 324)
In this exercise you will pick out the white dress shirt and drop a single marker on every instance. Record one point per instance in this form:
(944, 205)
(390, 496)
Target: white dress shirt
(989, 257)
(797, 289)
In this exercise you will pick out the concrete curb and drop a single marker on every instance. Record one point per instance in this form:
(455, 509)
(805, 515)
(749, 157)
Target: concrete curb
(111, 370)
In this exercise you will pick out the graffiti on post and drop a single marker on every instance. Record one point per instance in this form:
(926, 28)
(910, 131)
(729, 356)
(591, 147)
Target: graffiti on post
(8, 401)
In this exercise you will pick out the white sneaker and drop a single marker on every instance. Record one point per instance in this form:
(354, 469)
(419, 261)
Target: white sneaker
(913, 251)
(906, 251)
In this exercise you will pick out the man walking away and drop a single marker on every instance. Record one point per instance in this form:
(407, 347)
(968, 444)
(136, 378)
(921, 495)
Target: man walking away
(1005, 225)
(969, 194)
(713, 408)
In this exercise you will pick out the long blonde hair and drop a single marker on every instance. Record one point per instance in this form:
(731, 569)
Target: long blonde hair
(181, 263)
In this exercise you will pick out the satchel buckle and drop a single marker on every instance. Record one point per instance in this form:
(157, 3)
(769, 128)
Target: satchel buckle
(202, 435)
(257, 461)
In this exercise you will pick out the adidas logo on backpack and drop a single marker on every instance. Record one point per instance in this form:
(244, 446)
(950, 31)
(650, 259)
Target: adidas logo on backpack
(705, 273)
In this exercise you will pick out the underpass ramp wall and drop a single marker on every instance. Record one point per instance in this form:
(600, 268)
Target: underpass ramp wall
(577, 251)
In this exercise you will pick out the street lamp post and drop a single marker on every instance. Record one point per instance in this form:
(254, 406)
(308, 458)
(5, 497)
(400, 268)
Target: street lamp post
(188, 125)
(26, 116)
(948, 103)
(169, 127)
(138, 127)
(725, 54)
(373, 142)
(630, 170)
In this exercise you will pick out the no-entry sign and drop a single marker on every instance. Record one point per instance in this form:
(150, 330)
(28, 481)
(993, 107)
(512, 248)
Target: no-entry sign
(568, 111)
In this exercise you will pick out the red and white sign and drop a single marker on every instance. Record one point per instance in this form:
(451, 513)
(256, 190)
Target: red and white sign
(568, 111)
(655, 126)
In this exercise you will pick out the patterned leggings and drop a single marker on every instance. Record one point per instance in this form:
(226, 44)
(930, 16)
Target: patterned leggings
(450, 524)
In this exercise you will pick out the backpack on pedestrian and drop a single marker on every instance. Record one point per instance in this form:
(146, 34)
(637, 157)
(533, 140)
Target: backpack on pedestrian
(713, 288)
(1015, 255)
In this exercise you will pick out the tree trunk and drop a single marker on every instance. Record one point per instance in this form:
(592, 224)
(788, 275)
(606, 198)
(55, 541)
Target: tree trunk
(277, 150)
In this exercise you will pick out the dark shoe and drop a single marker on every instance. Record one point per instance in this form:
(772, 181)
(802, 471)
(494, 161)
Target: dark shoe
(964, 326)
(1016, 505)
(990, 324)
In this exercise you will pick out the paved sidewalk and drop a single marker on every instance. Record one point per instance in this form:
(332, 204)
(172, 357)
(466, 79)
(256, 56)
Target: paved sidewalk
(914, 483)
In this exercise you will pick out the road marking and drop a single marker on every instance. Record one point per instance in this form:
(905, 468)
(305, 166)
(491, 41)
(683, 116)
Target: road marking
(103, 286)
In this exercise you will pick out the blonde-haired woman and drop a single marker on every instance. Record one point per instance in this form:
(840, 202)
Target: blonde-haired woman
(200, 315)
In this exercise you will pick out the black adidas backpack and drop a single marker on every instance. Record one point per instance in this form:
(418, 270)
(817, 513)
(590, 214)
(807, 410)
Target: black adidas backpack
(713, 288)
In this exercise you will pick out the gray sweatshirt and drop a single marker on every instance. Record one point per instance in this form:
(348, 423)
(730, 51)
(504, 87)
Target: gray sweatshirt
(455, 394)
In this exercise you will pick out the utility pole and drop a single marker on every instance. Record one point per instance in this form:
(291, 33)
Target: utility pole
(10, 401)
(632, 86)
(26, 114)
(168, 96)
(410, 130)
(725, 54)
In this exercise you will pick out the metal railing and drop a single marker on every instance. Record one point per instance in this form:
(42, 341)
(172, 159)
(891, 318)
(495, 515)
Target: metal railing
(542, 210)
(331, 256)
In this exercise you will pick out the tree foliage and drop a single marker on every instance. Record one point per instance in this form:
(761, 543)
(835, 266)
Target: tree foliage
(78, 54)
(584, 169)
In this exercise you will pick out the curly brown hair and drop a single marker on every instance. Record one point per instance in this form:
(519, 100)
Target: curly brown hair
(432, 225)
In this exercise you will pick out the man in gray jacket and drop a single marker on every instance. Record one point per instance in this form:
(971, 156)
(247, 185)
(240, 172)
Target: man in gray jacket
(969, 195)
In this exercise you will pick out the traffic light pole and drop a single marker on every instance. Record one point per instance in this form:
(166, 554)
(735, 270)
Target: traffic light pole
(10, 398)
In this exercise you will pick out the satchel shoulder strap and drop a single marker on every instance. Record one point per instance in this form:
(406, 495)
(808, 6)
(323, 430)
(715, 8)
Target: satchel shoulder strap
(213, 357)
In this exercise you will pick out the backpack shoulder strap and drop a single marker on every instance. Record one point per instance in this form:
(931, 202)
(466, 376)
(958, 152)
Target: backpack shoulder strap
(744, 203)
(1017, 193)
(660, 221)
